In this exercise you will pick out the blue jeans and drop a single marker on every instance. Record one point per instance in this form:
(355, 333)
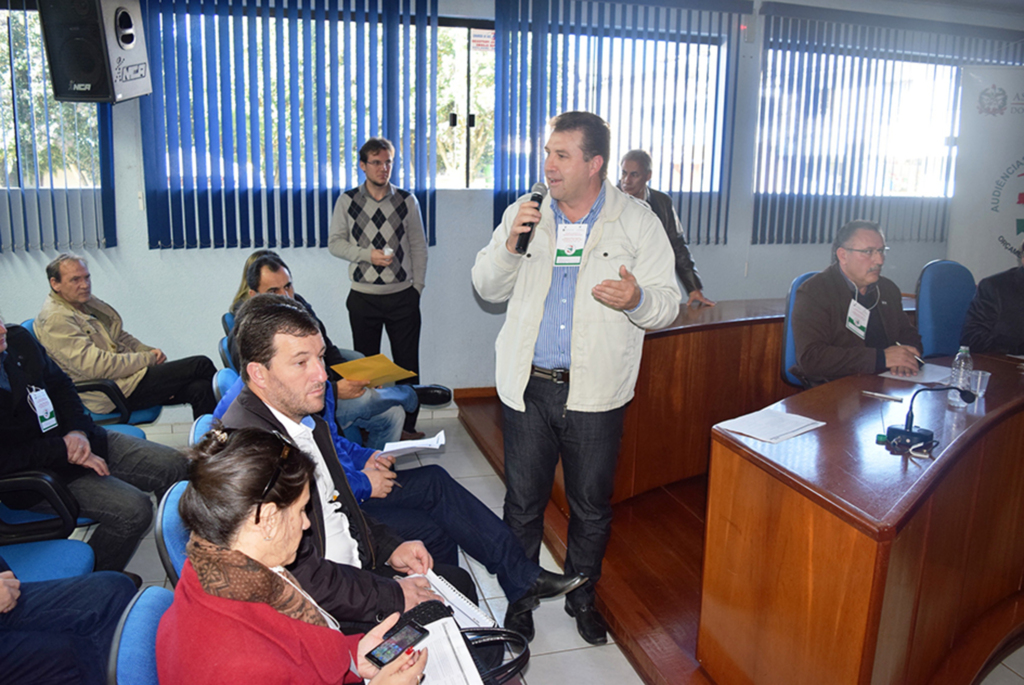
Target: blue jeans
(431, 507)
(588, 443)
(120, 503)
(60, 630)
(380, 411)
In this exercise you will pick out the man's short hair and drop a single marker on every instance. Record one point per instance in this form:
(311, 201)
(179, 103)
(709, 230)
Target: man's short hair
(844, 234)
(373, 146)
(53, 268)
(272, 261)
(639, 157)
(262, 317)
(597, 137)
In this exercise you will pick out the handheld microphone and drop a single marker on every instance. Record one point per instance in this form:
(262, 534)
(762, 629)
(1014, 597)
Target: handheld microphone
(912, 434)
(539, 190)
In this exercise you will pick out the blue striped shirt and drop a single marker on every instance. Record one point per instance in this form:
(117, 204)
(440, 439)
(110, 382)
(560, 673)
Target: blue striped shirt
(554, 341)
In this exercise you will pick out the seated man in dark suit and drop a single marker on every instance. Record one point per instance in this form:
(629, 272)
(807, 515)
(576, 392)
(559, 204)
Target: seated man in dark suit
(110, 474)
(58, 632)
(995, 319)
(849, 319)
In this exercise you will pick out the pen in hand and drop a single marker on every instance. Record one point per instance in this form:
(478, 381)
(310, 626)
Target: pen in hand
(919, 360)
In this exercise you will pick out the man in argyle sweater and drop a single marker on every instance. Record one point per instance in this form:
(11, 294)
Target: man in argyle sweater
(378, 228)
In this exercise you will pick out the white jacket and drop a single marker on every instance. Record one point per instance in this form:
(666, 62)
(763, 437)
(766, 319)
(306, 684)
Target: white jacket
(606, 343)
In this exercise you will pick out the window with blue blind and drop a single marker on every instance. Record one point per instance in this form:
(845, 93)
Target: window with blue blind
(858, 120)
(662, 74)
(56, 171)
(259, 108)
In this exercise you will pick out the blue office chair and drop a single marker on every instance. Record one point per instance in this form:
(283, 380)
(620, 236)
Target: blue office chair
(121, 415)
(227, 322)
(225, 354)
(171, 534)
(200, 427)
(35, 562)
(133, 651)
(222, 382)
(944, 293)
(788, 346)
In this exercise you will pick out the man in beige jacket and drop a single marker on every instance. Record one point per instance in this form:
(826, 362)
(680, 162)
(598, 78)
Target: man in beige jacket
(85, 336)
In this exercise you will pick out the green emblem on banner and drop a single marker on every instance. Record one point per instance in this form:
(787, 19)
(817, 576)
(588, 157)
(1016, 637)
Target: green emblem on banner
(1020, 226)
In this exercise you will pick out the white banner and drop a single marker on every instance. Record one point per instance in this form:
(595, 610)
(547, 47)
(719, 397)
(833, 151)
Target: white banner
(987, 210)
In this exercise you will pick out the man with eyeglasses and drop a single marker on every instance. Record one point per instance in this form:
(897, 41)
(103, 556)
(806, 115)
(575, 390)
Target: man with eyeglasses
(378, 228)
(849, 319)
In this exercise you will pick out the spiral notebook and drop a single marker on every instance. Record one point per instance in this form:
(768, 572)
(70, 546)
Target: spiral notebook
(466, 614)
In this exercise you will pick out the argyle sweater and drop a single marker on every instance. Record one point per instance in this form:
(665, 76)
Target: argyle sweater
(360, 225)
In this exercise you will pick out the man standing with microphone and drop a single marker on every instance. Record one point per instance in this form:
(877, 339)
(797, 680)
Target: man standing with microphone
(597, 271)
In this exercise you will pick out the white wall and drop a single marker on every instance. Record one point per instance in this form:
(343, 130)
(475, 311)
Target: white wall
(175, 298)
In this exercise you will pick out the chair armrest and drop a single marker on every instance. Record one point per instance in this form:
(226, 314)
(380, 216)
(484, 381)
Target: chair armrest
(57, 496)
(113, 393)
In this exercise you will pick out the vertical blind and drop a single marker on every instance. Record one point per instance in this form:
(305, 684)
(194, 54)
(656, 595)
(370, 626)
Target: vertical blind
(259, 108)
(663, 77)
(56, 170)
(858, 120)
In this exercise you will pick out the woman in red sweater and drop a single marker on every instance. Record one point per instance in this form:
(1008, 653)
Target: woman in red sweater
(238, 616)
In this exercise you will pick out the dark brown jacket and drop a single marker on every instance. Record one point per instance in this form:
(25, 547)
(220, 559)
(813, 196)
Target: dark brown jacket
(995, 319)
(825, 348)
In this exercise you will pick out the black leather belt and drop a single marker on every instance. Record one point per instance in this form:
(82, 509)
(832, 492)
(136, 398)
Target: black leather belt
(554, 375)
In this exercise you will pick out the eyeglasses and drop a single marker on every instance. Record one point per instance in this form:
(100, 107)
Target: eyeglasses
(871, 251)
(286, 449)
(378, 162)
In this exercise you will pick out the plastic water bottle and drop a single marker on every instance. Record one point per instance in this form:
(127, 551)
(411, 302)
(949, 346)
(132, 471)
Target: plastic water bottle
(963, 367)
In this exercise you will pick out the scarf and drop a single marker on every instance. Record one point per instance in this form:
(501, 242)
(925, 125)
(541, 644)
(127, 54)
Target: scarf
(230, 574)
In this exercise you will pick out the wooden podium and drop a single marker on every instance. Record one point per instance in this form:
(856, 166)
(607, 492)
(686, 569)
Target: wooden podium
(827, 559)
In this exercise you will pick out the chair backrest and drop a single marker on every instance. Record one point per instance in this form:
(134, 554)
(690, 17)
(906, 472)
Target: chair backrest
(788, 346)
(225, 354)
(222, 382)
(171, 534)
(30, 326)
(133, 652)
(227, 322)
(944, 293)
(200, 427)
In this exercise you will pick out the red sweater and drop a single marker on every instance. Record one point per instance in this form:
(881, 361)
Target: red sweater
(207, 639)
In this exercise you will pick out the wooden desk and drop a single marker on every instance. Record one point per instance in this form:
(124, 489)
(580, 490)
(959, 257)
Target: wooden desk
(829, 560)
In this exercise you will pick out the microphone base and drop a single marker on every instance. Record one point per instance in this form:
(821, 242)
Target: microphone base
(899, 435)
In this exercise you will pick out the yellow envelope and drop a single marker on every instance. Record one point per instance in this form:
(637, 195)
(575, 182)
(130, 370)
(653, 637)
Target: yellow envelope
(377, 369)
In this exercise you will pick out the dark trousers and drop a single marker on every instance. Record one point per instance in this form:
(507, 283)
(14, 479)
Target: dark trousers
(119, 503)
(182, 381)
(432, 507)
(399, 313)
(588, 443)
(60, 630)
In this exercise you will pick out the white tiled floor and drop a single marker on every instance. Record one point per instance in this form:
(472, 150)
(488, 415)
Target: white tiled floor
(558, 654)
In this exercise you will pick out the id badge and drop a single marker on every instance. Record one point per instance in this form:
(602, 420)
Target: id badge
(569, 244)
(857, 318)
(43, 407)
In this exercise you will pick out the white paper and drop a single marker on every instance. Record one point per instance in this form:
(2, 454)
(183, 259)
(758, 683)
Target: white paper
(1016, 356)
(448, 659)
(771, 425)
(929, 373)
(467, 614)
(397, 449)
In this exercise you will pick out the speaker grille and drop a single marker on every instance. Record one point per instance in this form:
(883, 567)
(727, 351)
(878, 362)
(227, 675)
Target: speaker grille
(83, 61)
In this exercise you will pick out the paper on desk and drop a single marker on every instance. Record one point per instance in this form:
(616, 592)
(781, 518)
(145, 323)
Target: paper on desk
(929, 373)
(376, 370)
(448, 658)
(397, 449)
(1016, 356)
(771, 425)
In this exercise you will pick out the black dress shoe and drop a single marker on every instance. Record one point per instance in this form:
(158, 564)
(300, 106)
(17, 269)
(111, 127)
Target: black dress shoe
(547, 586)
(521, 622)
(433, 395)
(589, 623)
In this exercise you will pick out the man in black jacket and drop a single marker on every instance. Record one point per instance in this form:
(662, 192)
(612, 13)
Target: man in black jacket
(995, 319)
(346, 561)
(636, 174)
(43, 425)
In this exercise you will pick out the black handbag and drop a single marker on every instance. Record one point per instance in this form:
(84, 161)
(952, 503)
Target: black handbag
(488, 646)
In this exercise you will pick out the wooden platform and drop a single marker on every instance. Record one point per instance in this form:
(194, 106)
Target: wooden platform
(650, 591)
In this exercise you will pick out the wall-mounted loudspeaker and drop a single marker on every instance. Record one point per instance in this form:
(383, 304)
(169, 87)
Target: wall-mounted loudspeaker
(96, 49)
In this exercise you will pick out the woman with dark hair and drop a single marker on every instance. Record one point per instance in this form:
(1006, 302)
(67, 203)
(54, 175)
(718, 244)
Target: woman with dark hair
(238, 616)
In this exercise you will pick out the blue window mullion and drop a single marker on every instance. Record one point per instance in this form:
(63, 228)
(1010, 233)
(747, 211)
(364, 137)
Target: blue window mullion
(294, 149)
(214, 231)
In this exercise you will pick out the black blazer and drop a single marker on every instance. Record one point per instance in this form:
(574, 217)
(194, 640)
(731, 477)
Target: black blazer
(350, 594)
(995, 319)
(23, 445)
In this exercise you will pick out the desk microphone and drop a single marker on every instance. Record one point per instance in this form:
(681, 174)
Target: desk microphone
(539, 190)
(914, 435)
